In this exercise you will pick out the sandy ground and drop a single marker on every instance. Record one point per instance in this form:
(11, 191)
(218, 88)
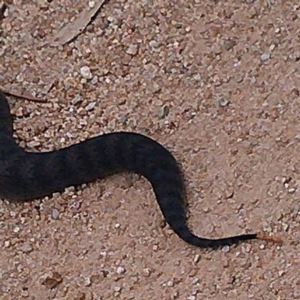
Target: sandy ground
(217, 83)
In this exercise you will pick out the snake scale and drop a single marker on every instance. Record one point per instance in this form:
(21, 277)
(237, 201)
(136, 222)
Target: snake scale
(25, 176)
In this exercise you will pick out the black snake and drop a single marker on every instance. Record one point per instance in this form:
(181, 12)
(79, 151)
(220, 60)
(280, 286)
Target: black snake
(26, 176)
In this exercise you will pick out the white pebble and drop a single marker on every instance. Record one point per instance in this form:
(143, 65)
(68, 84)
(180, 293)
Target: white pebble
(91, 4)
(16, 229)
(265, 56)
(225, 249)
(86, 72)
(120, 270)
(197, 258)
(55, 214)
(170, 283)
(117, 288)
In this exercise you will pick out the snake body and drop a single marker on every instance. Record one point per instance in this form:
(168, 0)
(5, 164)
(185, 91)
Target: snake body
(25, 176)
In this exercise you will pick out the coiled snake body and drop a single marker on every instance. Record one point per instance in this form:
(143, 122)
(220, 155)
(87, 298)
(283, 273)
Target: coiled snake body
(26, 176)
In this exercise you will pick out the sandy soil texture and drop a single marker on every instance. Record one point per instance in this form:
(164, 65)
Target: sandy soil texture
(217, 83)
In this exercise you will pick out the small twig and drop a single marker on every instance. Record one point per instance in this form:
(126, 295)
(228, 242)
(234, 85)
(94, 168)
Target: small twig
(273, 239)
(20, 96)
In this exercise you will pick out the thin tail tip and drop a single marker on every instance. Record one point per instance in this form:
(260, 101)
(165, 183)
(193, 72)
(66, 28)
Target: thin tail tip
(194, 240)
(265, 237)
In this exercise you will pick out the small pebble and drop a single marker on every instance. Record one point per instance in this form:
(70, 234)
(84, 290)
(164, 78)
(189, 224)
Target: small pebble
(77, 99)
(117, 288)
(225, 249)
(54, 214)
(170, 283)
(285, 226)
(26, 247)
(120, 270)
(90, 106)
(163, 112)
(7, 244)
(87, 281)
(146, 272)
(16, 229)
(223, 102)
(197, 258)
(91, 4)
(132, 49)
(265, 56)
(86, 72)
(197, 77)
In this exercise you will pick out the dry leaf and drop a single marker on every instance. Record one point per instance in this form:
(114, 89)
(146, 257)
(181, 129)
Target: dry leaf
(74, 28)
